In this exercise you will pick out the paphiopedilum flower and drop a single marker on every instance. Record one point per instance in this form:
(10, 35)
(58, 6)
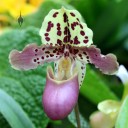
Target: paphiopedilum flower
(67, 41)
(109, 109)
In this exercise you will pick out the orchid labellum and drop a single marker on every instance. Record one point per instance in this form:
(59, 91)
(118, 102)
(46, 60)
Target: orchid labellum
(67, 41)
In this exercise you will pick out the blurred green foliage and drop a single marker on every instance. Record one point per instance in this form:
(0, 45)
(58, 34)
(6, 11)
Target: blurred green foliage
(13, 112)
(109, 21)
(122, 121)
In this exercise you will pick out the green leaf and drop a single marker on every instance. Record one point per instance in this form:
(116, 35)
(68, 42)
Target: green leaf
(109, 20)
(122, 119)
(90, 9)
(83, 122)
(13, 112)
(95, 89)
(26, 87)
(65, 123)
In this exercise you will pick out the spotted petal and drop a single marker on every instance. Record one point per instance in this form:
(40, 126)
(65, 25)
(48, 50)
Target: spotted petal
(106, 63)
(32, 56)
(64, 26)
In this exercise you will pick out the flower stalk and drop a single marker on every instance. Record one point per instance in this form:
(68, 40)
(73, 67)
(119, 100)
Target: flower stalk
(76, 109)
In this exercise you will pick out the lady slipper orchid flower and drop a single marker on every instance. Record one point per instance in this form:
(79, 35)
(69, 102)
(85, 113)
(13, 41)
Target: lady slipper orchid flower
(67, 41)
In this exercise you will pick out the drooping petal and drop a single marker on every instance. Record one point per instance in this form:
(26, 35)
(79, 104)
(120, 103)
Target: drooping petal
(32, 56)
(106, 63)
(122, 74)
(60, 97)
(109, 106)
(64, 26)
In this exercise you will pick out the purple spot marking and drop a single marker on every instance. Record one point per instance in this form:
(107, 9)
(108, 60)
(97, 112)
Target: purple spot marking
(47, 56)
(76, 41)
(42, 57)
(65, 39)
(43, 49)
(36, 50)
(34, 60)
(86, 37)
(71, 41)
(47, 52)
(51, 55)
(82, 33)
(58, 28)
(77, 19)
(58, 24)
(59, 33)
(84, 53)
(81, 26)
(72, 14)
(55, 14)
(72, 26)
(46, 34)
(50, 25)
(65, 17)
(59, 42)
(76, 51)
(54, 51)
(85, 41)
(65, 30)
(47, 38)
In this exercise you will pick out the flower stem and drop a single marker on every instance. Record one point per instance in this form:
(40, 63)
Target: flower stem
(77, 115)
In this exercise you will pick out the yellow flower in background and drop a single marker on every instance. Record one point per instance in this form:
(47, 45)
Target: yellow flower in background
(35, 3)
(3, 22)
(15, 6)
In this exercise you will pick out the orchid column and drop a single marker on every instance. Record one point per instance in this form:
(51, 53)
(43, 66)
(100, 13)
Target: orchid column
(67, 42)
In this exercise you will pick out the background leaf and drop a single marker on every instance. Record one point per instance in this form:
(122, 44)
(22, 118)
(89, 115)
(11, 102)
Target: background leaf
(111, 17)
(13, 112)
(95, 89)
(25, 87)
(122, 119)
(72, 119)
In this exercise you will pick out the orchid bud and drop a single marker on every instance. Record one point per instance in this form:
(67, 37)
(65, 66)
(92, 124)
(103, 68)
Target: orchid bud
(101, 120)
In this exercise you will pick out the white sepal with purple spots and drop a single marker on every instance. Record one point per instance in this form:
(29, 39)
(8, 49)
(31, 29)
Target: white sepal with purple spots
(64, 26)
